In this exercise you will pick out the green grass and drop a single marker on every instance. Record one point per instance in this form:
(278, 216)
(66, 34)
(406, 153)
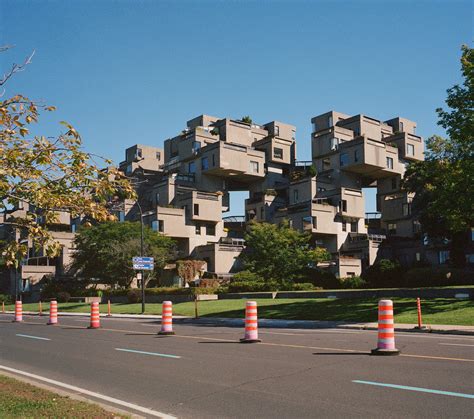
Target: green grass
(435, 311)
(19, 399)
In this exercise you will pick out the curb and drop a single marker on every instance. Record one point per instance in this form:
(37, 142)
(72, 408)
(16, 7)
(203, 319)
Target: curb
(275, 323)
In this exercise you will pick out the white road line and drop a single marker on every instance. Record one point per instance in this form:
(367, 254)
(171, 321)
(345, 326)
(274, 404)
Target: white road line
(148, 353)
(455, 344)
(113, 400)
(31, 337)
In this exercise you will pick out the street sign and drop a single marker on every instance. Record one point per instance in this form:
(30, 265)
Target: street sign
(143, 263)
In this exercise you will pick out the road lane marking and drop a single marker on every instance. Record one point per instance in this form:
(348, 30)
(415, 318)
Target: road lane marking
(31, 337)
(420, 389)
(113, 400)
(148, 353)
(455, 344)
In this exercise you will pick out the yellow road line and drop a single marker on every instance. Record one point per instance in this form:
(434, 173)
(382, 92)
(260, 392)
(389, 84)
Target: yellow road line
(283, 345)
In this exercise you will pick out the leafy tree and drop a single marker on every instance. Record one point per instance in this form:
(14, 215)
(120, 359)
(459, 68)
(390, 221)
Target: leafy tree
(51, 174)
(443, 183)
(246, 119)
(278, 252)
(104, 252)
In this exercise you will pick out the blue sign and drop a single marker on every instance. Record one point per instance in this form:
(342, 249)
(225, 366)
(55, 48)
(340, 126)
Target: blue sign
(143, 263)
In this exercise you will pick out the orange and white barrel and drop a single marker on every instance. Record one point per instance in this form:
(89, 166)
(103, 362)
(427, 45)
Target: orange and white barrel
(53, 312)
(386, 330)
(251, 323)
(167, 319)
(18, 311)
(95, 315)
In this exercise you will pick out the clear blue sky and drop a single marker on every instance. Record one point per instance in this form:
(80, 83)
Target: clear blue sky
(127, 72)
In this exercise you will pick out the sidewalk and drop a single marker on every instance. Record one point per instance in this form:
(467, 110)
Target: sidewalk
(281, 324)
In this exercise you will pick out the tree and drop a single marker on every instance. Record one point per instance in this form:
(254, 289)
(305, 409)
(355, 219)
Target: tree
(247, 119)
(104, 252)
(443, 183)
(278, 252)
(51, 174)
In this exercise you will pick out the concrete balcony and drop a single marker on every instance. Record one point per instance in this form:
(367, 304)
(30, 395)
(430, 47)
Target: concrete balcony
(349, 202)
(395, 206)
(233, 161)
(370, 158)
(201, 206)
(410, 146)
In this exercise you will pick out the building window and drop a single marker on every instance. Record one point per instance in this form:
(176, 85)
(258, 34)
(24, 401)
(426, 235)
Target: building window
(416, 227)
(354, 227)
(343, 159)
(204, 163)
(157, 198)
(344, 226)
(307, 223)
(351, 274)
(392, 228)
(330, 121)
(158, 155)
(417, 256)
(410, 150)
(138, 153)
(211, 230)
(278, 153)
(356, 155)
(277, 131)
(326, 164)
(401, 127)
(389, 162)
(315, 222)
(158, 225)
(192, 167)
(196, 209)
(198, 229)
(394, 183)
(343, 205)
(334, 143)
(295, 196)
(196, 146)
(406, 208)
(253, 166)
(443, 256)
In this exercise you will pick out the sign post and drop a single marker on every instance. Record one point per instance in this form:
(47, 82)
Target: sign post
(142, 263)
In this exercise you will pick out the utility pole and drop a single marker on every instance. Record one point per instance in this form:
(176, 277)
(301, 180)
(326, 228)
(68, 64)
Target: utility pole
(141, 255)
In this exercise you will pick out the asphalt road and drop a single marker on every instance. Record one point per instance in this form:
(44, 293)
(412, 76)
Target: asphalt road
(204, 372)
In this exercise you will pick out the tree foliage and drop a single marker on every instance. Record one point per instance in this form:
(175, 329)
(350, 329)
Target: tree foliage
(51, 174)
(278, 252)
(104, 252)
(443, 183)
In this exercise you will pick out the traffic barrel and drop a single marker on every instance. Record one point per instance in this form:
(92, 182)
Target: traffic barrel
(251, 323)
(95, 315)
(53, 312)
(167, 319)
(386, 331)
(18, 311)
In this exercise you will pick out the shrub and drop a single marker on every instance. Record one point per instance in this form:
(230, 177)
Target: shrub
(134, 296)
(324, 279)
(253, 286)
(63, 297)
(384, 274)
(247, 276)
(352, 282)
(303, 286)
(7, 299)
(438, 276)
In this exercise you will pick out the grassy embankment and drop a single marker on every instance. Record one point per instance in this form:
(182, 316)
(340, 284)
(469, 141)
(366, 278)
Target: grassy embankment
(23, 400)
(435, 311)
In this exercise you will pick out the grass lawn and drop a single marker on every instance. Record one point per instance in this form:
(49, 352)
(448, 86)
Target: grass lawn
(435, 311)
(19, 399)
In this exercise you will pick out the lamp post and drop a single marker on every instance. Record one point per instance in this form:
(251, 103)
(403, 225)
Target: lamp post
(141, 255)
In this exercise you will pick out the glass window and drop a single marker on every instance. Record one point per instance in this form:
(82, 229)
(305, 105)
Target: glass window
(354, 227)
(158, 155)
(157, 199)
(356, 155)
(417, 256)
(334, 143)
(344, 159)
(204, 163)
(277, 130)
(192, 167)
(196, 146)
(307, 223)
(389, 162)
(410, 150)
(344, 226)
(406, 208)
(392, 228)
(443, 256)
(253, 166)
(196, 209)
(330, 121)
(138, 153)
(401, 126)
(154, 225)
(315, 222)
(295, 196)
(278, 153)
(211, 230)
(198, 229)
(343, 205)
